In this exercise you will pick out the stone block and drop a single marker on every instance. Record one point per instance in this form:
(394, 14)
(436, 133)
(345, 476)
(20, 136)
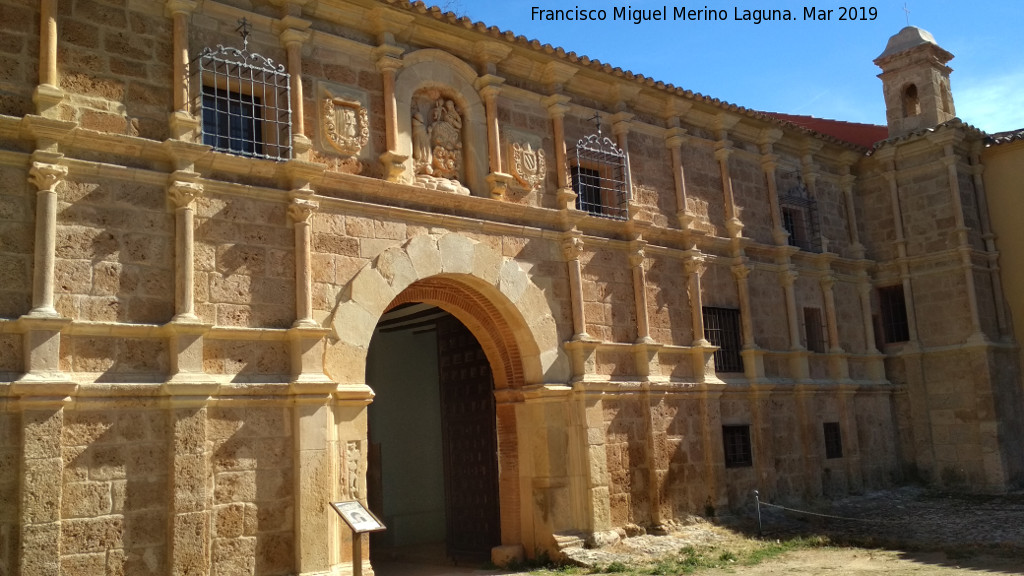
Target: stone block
(234, 556)
(507, 555)
(83, 535)
(86, 499)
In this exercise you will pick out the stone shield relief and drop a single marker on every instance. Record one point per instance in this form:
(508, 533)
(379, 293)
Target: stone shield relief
(346, 129)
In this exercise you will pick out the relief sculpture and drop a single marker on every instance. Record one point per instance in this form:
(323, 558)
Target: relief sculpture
(437, 148)
(528, 165)
(347, 129)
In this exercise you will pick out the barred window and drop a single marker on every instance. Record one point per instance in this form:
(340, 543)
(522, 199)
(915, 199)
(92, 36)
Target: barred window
(833, 440)
(722, 329)
(736, 441)
(814, 330)
(895, 327)
(599, 178)
(244, 102)
(799, 214)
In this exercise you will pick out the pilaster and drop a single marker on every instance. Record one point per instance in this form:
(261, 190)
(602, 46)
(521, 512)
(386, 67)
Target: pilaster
(489, 87)
(42, 485)
(798, 357)
(191, 487)
(702, 352)
(388, 63)
(558, 105)
(723, 149)
(48, 93)
(839, 368)
(846, 182)
(183, 125)
(294, 32)
(770, 163)
(674, 138)
(753, 358)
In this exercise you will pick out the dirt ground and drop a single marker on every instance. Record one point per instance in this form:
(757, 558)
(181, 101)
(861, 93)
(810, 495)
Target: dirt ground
(907, 531)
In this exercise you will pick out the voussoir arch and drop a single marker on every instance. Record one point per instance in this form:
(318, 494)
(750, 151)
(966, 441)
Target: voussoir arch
(490, 293)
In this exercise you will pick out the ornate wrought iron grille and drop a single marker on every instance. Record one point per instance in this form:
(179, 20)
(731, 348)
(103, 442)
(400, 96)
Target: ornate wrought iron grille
(599, 177)
(800, 219)
(244, 102)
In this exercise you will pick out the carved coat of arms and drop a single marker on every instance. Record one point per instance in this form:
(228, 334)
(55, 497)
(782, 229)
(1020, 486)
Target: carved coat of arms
(346, 125)
(528, 165)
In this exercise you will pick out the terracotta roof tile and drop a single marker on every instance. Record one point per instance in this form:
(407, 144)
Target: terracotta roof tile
(865, 135)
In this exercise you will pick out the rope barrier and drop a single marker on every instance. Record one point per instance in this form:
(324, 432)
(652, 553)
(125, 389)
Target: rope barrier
(830, 515)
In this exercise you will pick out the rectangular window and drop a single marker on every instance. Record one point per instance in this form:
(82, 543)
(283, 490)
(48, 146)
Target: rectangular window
(736, 441)
(722, 329)
(793, 223)
(833, 440)
(232, 121)
(586, 183)
(894, 314)
(814, 330)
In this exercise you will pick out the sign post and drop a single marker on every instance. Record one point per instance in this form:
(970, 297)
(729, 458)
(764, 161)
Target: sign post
(360, 520)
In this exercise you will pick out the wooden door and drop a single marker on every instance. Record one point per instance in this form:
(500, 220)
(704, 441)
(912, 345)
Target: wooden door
(470, 445)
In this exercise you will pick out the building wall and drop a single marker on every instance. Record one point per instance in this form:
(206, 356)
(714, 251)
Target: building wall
(194, 415)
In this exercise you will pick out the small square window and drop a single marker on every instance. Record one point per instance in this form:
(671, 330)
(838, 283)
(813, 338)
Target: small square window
(736, 441)
(833, 440)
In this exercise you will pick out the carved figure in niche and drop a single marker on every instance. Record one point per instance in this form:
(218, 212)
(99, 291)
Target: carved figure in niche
(437, 145)
(352, 457)
(421, 145)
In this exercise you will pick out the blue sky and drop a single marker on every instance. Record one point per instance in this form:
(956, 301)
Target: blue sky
(816, 68)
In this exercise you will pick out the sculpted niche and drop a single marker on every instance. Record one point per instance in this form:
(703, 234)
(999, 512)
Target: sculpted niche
(438, 150)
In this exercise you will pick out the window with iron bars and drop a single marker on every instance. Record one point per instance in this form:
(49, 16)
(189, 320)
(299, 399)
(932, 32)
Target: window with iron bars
(244, 102)
(736, 442)
(800, 220)
(599, 178)
(895, 327)
(722, 329)
(833, 440)
(814, 330)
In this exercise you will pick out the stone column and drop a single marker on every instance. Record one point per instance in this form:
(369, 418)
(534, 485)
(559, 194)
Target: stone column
(294, 34)
(301, 211)
(838, 365)
(620, 129)
(389, 64)
(723, 149)
(876, 366)
(963, 242)
(183, 191)
(557, 106)
(770, 163)
(182, 123)
(312, 420)
(45, 175)
(42, 487)
(846, 182)
(753, 361)
(637, 259)
(977, 169)
(702, 353)
(47, 94)
(572, 249)
(674, 138)
(490, 87)
(798, 359)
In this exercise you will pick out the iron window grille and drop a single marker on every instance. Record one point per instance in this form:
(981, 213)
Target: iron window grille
(814, 330)
(833, 440)
(244, 102)
(736, 441)
(895, 327)
(599, 177)
(800, 219)
(722, 329)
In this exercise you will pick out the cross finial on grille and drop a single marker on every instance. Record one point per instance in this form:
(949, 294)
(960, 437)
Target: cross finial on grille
(243, 28)
(597, 117)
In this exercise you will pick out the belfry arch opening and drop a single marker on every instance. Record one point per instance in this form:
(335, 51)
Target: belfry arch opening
(440, 362)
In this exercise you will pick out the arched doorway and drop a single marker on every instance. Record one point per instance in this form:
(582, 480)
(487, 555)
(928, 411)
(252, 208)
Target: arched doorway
(433, 460)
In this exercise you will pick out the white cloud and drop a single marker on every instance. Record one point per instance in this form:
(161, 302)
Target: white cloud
(994, 103)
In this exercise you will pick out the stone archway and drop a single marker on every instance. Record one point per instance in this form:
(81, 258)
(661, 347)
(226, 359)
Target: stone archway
(496, 300)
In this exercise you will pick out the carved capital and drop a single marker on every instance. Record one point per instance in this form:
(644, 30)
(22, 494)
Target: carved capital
(572, 248)
(788, 277)
(186, 7)
(302, 210)
(723, 152)
(695, 265)
(557, 105)
(741, 271)
(184, 193)
(46, 176)
(637, 258)
(827, 281)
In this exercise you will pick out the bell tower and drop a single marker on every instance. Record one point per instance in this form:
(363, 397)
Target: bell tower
(915, 81)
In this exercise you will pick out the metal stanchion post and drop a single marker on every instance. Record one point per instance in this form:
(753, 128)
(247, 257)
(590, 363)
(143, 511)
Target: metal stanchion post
(757, 501)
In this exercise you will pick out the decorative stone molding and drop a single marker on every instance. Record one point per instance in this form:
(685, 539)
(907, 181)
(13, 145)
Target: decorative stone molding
(183, 194)
(302, 210)
(572, 248)
(45, 176)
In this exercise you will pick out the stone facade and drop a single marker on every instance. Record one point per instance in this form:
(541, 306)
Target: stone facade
(184, 325)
